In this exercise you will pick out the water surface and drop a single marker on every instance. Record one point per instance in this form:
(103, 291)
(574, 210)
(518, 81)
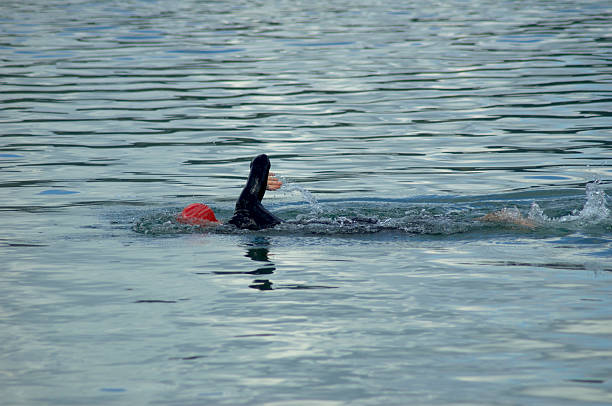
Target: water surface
(395, 127)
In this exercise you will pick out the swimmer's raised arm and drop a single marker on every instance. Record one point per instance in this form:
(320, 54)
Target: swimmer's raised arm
(273, 182)
(249, 212)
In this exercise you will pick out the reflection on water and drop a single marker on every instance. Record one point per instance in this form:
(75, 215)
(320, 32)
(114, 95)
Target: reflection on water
(259, 253)
(257, 250)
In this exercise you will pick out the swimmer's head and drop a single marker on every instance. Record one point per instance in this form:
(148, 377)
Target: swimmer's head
(197, 214)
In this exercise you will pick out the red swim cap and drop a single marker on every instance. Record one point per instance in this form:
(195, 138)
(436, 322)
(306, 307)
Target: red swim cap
(197, 214)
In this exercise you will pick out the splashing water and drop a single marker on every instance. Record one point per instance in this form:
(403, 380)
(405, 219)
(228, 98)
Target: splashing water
(315, 207)
(594, 210)
(537, 214)
(595, 206)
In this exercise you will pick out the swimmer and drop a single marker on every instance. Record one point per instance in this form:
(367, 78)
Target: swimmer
(249, 213)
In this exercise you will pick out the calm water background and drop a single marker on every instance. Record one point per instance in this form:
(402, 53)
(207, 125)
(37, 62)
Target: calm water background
(418, 117)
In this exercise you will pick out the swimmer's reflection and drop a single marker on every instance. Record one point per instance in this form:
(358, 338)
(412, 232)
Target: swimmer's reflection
(257, 250)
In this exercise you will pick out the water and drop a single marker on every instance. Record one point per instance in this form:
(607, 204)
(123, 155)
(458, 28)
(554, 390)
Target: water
(396, 127)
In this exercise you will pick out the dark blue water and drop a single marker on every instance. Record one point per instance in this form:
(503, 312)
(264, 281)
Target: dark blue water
(396, 126)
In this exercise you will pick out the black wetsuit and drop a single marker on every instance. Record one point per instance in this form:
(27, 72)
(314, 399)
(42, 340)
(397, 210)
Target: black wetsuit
(249, 212)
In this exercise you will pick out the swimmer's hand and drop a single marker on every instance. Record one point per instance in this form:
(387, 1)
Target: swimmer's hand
(273, 182)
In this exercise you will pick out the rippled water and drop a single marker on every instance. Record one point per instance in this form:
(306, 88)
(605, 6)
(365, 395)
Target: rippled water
(396, 127)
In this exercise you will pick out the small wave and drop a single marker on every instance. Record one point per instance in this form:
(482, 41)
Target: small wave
(164, 222)
(370, 218)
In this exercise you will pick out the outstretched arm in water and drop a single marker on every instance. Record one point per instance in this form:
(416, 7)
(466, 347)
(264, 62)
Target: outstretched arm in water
(509, 217)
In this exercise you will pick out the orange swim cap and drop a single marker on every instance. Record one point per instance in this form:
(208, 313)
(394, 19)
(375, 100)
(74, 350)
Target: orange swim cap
(197, 214)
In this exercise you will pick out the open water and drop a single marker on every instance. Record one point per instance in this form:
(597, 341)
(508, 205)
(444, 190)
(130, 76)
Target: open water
(395, 126)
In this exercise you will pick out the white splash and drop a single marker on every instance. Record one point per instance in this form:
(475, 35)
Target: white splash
(315, 207)
(594, 210)
(595, 205)
(537, 214)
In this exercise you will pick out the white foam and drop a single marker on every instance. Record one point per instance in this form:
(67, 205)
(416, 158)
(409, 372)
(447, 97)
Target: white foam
(315, 207)
(594, 210)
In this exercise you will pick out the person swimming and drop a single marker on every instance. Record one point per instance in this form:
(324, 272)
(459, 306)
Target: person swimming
(249, 213)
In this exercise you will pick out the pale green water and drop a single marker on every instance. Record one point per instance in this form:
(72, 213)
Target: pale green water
(395, 126)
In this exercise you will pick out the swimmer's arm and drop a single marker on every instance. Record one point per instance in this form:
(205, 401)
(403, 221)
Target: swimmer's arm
(273, 182)
(503, 216)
